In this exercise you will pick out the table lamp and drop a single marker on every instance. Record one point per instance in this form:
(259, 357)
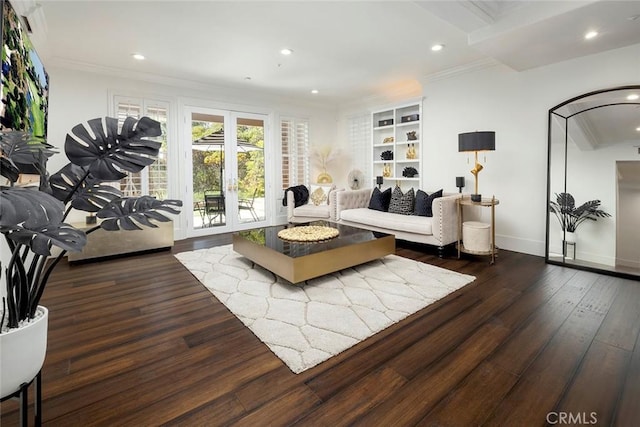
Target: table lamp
(379, 181)
(476, 141)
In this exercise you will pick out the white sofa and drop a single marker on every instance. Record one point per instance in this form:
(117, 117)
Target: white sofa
(439, 230)
(310, 212)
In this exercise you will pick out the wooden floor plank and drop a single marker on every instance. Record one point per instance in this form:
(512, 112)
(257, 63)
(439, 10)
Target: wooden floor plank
(464, 406)
(594, 392)
(543, 382)
(385, 346)
(139, 340)
(628, 411)
(622, 324)
(415, 358)
(355, 401)
(283, 410)
(527, 342)
(413, 401)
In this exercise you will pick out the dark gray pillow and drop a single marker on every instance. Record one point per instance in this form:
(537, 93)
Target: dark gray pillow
(424, 203)
(401, 203)
(380, 199)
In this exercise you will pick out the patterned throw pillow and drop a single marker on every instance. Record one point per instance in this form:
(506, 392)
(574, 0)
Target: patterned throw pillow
(401, 203)
(424, 203)
(318, 195)
(380, 199)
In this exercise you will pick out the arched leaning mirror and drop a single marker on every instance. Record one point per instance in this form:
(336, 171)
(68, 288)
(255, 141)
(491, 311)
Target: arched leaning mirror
(593, 182)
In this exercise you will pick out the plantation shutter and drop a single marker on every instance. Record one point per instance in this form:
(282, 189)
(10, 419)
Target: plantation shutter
(295, 152)
(152, 180)
(359, 139)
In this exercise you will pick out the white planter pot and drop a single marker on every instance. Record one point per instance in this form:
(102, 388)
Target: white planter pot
(570, 236)
(22, 352)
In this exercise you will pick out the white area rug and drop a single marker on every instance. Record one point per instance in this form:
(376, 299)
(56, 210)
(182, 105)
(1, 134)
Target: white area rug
(309, 323)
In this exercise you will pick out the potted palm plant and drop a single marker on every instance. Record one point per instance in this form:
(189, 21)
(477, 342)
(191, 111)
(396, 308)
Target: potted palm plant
(32, 221)
(570, 216)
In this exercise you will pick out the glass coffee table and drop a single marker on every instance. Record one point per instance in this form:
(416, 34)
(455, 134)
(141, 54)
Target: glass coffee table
(297, 262)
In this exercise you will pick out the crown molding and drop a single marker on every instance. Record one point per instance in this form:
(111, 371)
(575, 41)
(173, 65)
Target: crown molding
(470, 67)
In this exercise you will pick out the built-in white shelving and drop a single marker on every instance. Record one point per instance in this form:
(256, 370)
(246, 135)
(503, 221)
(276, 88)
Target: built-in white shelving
(397, 130)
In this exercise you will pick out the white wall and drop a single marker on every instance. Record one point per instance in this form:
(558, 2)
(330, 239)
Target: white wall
(514, 105)
(80, 95)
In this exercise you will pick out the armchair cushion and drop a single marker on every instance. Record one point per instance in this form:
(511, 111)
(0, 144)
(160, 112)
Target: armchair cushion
(319, 194)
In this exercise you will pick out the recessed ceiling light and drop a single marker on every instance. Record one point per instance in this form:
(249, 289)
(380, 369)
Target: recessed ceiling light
(590, 35)
(437, 47)
(286, 51)
(314, 91)
(638, 128)
(633, 97)
(138, 56)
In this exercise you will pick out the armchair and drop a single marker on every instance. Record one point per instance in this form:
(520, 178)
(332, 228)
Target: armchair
(310, 212)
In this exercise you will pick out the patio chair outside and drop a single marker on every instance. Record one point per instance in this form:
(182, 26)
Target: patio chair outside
(214, 207)
(247, 205)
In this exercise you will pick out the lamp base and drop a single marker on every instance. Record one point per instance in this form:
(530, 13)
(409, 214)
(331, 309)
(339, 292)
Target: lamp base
(476, 197)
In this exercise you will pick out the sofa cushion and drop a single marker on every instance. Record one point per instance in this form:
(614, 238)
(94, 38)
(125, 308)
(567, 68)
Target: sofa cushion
(424, 203)
(380, 199)
(319, 194)
(401, 203)
(391, 221)
(311, 210)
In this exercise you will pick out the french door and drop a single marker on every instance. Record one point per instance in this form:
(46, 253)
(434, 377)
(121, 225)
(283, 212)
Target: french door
(227, 156)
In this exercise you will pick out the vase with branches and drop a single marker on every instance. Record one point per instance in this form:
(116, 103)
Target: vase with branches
(322, 157)
(571, 216)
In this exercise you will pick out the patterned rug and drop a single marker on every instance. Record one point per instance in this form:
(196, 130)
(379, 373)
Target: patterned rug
(307, 324)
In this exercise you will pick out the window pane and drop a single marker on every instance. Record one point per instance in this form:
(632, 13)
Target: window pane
(154, 179)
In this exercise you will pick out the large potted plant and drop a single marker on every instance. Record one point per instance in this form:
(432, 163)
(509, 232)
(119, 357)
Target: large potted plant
(571, 216)
(32, 221)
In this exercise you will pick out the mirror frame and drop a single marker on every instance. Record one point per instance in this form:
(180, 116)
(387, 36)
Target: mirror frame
(553, 112)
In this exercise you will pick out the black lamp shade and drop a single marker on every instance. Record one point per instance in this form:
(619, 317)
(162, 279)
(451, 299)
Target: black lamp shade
(477, 141)
(379, 180)
(459, 181)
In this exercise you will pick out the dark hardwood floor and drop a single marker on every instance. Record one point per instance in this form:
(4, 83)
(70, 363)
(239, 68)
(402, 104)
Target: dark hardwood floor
(138, 341)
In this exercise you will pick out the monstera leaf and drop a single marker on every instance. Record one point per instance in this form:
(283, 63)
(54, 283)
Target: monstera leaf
(127, 213)
(8, 169)
(33, 218)
(570, 216)
(21, 148)
(74, 183)
(107, 154)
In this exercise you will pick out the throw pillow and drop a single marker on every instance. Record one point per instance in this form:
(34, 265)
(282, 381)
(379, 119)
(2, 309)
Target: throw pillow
(380, 199)
(401, 203)
(319, 195)
(424, 203)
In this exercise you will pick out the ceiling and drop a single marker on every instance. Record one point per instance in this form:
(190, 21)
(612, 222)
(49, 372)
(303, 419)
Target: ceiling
(347, 50)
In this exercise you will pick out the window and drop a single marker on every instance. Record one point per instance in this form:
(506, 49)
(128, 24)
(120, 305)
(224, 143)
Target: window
(152, 180)
(295, 152)
(359, 138)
